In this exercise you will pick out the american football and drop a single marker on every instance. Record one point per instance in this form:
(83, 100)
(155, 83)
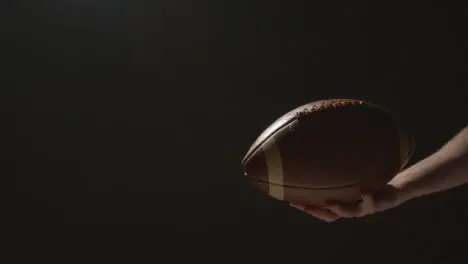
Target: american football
(328, 150)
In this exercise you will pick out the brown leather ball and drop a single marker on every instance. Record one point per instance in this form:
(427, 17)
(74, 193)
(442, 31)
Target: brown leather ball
(329, 150)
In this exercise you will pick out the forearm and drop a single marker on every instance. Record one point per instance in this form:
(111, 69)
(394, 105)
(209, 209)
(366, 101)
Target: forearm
(445, 169)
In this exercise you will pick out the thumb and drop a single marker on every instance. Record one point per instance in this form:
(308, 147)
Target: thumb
(369, 205)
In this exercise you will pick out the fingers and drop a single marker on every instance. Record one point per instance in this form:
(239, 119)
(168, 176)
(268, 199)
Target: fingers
(320, 213)
(336, 211)
(365, 207)
(345, 211)
(368, 203)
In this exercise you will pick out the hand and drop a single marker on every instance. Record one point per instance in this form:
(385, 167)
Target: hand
(385, 199)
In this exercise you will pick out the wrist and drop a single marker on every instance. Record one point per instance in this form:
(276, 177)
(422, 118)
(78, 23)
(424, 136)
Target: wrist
(404, 190)
(408, 182)
(403, 194)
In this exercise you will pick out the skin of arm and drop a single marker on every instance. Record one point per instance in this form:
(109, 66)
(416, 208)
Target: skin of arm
(444, 169)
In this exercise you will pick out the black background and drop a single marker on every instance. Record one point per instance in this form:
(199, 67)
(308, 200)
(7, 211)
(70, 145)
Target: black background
(125, 123)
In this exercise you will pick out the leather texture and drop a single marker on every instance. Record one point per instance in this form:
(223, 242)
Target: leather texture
(329, 150)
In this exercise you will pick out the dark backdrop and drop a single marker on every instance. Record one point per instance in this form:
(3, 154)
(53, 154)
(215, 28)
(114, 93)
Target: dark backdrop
(125, 122)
